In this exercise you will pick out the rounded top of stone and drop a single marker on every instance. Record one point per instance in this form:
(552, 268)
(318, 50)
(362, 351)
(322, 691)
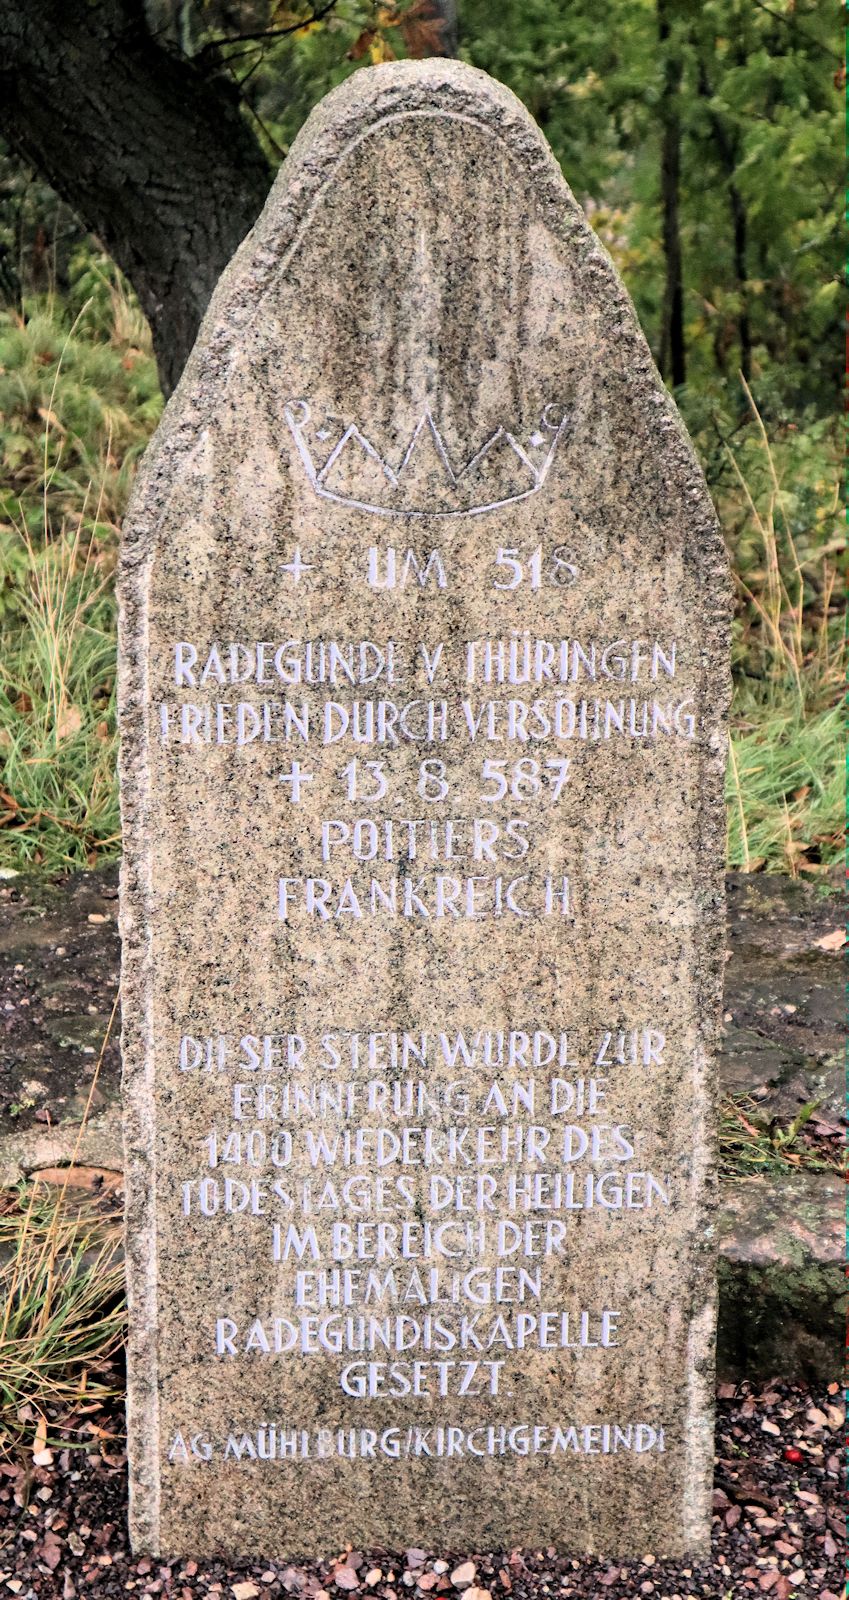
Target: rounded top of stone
(368, 102)
(411, 86)
(402, 89)
(509, 300)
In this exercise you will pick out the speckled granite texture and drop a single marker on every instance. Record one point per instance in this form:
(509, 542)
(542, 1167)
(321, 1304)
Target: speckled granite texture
(422, 948)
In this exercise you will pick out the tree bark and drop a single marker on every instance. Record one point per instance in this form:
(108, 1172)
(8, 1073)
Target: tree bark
(673, 356)
(152, 153)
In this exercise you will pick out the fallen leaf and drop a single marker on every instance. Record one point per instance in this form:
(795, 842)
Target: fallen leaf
(98, 1179)
(744, 1490)
(831, 941)
(68, 722)
(770, 1427)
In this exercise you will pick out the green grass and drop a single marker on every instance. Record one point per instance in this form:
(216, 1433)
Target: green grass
(79, 400)
(62, 1310)
(785, 780)
(751, 1145)
(58, 799)
(785, 787)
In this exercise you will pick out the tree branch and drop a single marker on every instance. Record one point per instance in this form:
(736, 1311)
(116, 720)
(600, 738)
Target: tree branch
(215, 45)
(790, 22)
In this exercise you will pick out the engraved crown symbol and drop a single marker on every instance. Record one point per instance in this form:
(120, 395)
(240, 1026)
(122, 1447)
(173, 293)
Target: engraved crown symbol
(424, 482)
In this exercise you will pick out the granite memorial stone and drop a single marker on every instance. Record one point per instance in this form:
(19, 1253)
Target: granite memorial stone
(424, 680)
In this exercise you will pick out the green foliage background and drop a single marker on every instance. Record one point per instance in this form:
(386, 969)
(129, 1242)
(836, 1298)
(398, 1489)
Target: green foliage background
(755, 101)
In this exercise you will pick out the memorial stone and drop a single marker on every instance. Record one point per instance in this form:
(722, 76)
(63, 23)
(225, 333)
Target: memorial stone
(424, 633)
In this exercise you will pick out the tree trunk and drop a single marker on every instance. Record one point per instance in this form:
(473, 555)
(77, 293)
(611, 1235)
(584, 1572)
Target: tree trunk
(673, 360)
(449, 33)
(153, 154)
(739, 223)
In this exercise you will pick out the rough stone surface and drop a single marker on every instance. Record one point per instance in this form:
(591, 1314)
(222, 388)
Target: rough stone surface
(782, 1285)
(422, 348)
(781, 1041)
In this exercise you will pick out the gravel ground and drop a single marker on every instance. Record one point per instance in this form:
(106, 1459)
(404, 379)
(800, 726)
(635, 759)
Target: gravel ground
(778, 1529)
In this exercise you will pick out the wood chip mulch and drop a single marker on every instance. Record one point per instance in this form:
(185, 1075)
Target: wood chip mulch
(778, 1529)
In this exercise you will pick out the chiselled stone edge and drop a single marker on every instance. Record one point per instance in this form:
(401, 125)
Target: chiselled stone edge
(367, 98)
(139, 1130)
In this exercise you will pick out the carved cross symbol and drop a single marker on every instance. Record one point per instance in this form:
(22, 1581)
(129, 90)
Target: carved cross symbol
(297, 777)
(296, 566)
